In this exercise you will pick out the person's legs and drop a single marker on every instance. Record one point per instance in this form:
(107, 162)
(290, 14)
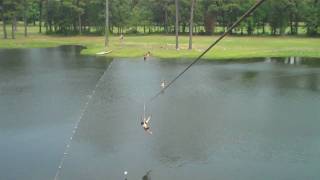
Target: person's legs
(149, 131)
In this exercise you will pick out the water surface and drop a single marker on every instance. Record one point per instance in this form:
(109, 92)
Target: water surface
(250, 119)
(236, 120)
(42, 92)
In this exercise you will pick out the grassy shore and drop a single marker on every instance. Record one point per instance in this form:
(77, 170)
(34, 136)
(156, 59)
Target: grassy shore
(164, 46)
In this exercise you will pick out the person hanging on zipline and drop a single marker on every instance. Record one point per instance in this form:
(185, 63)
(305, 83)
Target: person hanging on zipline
(145, 124)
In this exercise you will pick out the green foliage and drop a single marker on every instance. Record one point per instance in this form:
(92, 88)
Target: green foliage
(11, 8)
(313, 17)
(66, 16)
(32, 11)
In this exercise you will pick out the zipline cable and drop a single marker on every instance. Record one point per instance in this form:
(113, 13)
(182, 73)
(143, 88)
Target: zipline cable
(252, 9)
(76, 127)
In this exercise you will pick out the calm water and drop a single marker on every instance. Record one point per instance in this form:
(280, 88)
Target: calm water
(42, 92)
(254, 119)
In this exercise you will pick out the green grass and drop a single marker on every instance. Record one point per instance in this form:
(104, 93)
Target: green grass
(164, 46)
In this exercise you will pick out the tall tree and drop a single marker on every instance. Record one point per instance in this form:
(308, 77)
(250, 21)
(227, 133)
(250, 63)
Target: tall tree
(184, 15)
(25, 9)
(33, 11)
(169, 16)
(40, 15)
(278, 16)
(13, 26)
(191, 23)
(120, 11)
(210, 10)
(177, 24)
(3, 17)
(106, 43)
(47, 5)
(312, 17)
(165, 8)
(141, 15)
(80, 13)
(13, 7)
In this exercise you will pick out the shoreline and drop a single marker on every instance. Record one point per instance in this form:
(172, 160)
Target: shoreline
(162, 46)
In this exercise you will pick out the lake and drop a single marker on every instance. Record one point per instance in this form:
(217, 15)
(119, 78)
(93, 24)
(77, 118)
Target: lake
(248, 119)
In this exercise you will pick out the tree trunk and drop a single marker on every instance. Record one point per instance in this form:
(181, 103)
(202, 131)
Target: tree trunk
(13, 27)
(40, 16)
(166, 20)
(5, 36)
(184, 27)
(25, 27)
(25, 18)
(291, 24)
(47, 16)
(296, 26)
(80, 24)
(4, 23)
(50, 25)
(249, 28)
(79, 19)
(191, 24)
(177, 24)
(208, 23)
(106, 43)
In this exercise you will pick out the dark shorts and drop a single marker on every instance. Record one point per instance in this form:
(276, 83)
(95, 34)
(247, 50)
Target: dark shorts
(146, 129)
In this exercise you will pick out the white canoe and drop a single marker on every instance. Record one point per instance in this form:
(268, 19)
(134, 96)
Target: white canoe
(104, 52)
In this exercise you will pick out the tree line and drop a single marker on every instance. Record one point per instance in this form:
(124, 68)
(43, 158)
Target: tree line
(274, 17)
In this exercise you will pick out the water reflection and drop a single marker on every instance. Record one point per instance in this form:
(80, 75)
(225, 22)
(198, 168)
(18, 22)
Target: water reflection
(147, 176)
(312, 62)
